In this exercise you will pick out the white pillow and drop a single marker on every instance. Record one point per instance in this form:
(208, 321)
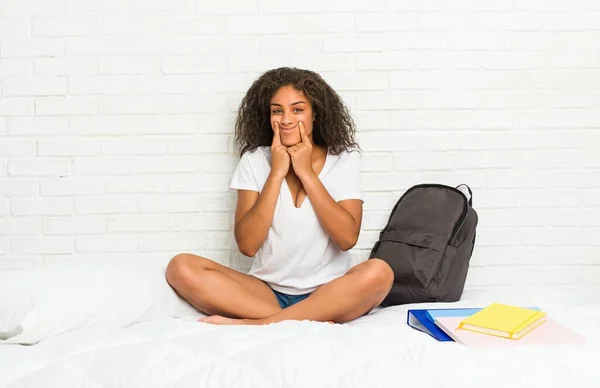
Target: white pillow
(41, 303)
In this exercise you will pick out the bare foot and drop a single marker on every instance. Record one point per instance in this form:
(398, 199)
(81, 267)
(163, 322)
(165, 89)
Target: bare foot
(219, 320)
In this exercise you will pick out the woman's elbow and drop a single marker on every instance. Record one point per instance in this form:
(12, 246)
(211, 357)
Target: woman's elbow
(348, 243)
(247, 251)
(246, 248)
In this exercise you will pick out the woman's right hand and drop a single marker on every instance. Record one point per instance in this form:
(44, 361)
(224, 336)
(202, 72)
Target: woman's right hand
(280, 158)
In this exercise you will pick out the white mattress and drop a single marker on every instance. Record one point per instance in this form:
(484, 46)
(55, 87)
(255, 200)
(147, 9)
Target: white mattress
(378, 350)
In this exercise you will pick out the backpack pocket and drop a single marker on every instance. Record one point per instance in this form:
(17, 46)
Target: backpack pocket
(414, 257)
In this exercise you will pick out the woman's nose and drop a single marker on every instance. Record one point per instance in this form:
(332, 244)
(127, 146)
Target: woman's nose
(286, 119)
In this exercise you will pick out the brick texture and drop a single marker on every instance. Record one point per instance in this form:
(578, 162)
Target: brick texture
(116, 122)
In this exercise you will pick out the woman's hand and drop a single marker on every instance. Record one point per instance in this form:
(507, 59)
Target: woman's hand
(301, 154)
(280, 158)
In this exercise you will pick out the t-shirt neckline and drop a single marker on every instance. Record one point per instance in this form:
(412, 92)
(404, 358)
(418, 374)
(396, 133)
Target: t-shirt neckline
(289, 193)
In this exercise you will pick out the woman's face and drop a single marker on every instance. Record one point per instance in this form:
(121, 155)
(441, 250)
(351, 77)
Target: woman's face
(289, 107)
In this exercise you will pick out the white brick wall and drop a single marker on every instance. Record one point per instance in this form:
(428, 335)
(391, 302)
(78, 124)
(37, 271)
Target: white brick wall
(116, 121)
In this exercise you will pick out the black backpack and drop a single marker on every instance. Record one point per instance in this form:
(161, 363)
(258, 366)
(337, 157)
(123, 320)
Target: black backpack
(428, 241)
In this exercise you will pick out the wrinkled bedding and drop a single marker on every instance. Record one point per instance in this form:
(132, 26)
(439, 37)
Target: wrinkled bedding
(377, 350)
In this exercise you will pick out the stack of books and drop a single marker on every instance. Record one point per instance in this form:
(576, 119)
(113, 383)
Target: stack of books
(496, 325)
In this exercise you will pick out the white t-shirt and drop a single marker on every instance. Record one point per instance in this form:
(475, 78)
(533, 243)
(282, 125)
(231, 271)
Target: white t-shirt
(298, 255)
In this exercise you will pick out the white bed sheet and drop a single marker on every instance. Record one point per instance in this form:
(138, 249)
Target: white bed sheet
(378, 350)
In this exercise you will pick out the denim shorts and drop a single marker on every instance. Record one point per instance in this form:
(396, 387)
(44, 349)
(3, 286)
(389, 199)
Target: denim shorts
(286, 300)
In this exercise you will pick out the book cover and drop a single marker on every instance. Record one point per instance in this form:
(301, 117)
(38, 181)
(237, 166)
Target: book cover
(432, 314)
(504, 320)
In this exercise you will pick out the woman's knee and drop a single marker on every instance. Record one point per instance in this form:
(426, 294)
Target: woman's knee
(378, 275)
(183, 268)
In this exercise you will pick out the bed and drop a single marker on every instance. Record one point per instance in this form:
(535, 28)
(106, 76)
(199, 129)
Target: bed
(103, 343)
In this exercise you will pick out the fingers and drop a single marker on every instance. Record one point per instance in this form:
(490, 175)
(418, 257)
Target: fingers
(303, 135)
(295, 148)
(276, 138)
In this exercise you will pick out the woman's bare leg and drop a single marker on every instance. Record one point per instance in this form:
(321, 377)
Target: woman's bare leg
(346, 298)
(216, 289)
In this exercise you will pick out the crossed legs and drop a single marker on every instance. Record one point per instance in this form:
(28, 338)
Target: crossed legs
(231, 297)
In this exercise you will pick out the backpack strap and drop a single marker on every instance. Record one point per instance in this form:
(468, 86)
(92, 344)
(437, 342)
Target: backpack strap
(470, 193)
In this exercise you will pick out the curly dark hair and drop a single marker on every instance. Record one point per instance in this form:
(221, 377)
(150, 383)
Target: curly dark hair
(333, 126)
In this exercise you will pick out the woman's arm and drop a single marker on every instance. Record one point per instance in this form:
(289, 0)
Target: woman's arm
(254, 212)
(254, 215)
(341, 220)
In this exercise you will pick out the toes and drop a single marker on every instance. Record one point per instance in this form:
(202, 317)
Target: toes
(219, 320)
(211, 319)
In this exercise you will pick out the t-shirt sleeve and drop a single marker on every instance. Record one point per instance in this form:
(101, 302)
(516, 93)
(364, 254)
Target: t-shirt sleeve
(350, 181)
(243, 176)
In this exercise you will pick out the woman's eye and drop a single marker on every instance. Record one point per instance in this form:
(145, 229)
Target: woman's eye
(276, 112)
(298, 110)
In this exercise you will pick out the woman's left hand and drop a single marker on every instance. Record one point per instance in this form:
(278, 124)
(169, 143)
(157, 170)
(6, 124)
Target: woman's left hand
(301, 154)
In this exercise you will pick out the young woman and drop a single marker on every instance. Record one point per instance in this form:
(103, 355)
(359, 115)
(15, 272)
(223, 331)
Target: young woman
(299, 211)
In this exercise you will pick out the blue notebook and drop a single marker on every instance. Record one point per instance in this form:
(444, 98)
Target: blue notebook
(424, 320)
(432, 314)
(417, 319)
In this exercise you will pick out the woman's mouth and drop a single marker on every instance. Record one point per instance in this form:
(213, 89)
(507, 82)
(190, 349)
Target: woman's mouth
(288, 130)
